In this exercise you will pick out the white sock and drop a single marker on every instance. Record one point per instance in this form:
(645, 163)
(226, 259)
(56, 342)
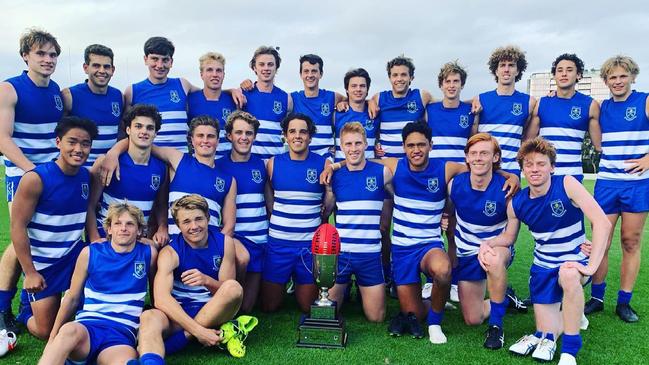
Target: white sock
(435, 334)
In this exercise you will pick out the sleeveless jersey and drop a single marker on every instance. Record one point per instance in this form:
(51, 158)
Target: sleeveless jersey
(198, 105)
(451, 129)
(269, 108)
(251, 177)
(481, 215)
(419, 198)
(297, 200)
(207, 260)
(564, 123)
(171, 101)
(359, 201)
(60, 215)
(625, 135)
(320, 108)
(555, 223)
(193, 177)
(104, 110)
(394, 115)
(37, 111)
(116, 285)
(504, 116)
(370, 125)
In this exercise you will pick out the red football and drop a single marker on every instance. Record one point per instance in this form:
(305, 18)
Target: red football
(326, 240)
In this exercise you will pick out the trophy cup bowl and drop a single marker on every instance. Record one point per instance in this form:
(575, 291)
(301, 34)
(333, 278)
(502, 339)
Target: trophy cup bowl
(324, 328)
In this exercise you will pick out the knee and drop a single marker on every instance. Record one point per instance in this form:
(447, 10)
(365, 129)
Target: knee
(71, 332)
(231, 289)
(630, 243)
(150, 320)
(472, 319)
(441, 272)
(376, 316)
(570, 279)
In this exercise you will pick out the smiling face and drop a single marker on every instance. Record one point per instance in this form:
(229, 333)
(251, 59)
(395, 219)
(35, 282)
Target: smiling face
(242, 137)
(310, 75)
(205, 140)
(42, 59)
(507, 72)
(158, 65)
(417, 148)
(566, 74)
(353, 145)
(357, 89)
(481, 157)
(265, 68)
(74, 147)
(212, 74)
(400, 79)
(193, 225)
(537, 169)
(141, 132)
(100, 70)
(124, 230)
(451, 86)
(619, 81)
(297, 136)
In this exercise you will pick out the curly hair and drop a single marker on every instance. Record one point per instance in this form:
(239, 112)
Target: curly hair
(625, 62)
(537, 145)
(451, 68)
(508, 53)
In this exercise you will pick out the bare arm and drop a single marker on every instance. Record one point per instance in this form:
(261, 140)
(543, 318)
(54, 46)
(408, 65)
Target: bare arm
(329, 203)
(8, 100)
(532, 107)
(508, 236)
(269, 194)
(161, 204)
(426, 98)
(594, 128)
(229, 210)
(535, 123)
(72, 297)
(387, 181)
(227, 271)
(188, 87)
(66, 95)
(476, 123)
(96, 190)
(128, 98)
(289, 104)
(452, 169)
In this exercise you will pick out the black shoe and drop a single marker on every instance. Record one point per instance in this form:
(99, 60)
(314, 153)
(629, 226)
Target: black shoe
(8, 322)
(626, 313)
(495, 338)
(397, 325)
(514, 301)
(412, 326)
(593, 305)
(527, 302)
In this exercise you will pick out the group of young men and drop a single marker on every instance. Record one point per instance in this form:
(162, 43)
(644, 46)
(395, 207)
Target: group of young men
(216, 207)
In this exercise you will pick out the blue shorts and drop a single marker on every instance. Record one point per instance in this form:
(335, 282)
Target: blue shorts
(282, 262)
(104, 335)
(58, 276)
(406, 262)
(366, 267)
(622, 196)
(193, 308)
(11, 185)
(468, 267)
(544, 285)
(256, 252)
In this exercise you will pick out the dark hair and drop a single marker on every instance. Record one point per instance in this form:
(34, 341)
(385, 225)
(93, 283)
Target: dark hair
(245, 116)
(159, 45)
(569, 57)
(70, 122)
(309, 122)
(508, 53)
(357, 72)
(142, 110)
(402, 61)
(419, 126)
(34, 36)
(265, 50)
(99, 50)
(312, 59)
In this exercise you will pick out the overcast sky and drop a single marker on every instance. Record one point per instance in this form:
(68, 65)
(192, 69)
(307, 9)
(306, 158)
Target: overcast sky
(345, 33)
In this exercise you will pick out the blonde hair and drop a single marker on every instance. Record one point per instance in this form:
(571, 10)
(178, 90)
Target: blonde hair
(353, 127)
(210, 56)
(189, 202)
(625, 62)
(451, 68)
(115, 210)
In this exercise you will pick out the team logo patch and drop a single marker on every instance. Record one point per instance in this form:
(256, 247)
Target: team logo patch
(557, 208)
(58, 102)
(219, 185)
(216, 260)
(369, 124)
(139, 270)
(225, 113)
(115, 108)
(370, 183)
(464, 121)
(517, 109)
(256, 176)
(412, 106)
(433, 185)
(312, 176)
(155, 182)
(325, 110)
(85, 190)
(277, 107)
(173, 96)
(575, 112)
(630, 113)
(489, 208)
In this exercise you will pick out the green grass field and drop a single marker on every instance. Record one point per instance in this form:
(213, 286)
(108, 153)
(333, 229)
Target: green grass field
(607, 341)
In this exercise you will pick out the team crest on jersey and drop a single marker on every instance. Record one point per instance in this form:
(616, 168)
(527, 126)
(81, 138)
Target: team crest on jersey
(558, 209)
(575, 112)
(155, 182)
(312, 176)
(433, 185)
(370, 183)
(464, 121)
(256, 176)
(173, 96)
(139, 270)
(58, 102)
(369, 124)
(115, 108)
(489, 208)
(325, 110)
(277, 107)
(630, 114)
(216, 261)
(225, 113)
(517, 109)
(219, 185)
(412, 106)
(85, 190)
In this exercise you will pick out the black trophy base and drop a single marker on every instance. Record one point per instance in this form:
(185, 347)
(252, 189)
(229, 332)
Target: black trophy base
(318, 332)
